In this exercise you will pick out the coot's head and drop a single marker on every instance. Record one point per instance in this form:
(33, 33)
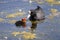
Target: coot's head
(38, 7)
(37, 14)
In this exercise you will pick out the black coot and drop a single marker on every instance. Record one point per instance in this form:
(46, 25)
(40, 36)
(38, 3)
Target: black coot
(37, 14)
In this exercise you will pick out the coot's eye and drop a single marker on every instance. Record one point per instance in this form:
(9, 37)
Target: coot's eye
(31, 13)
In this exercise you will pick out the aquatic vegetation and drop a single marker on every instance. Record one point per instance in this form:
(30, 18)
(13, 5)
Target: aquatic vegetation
(15, 33)
(39, 1)
(1, 19)
(29, 36)
(54, 12)
(10, 16)
(15, 14)
(26, 35)
(50, 1)
(12, 21)
(50, 16)
(56, 2)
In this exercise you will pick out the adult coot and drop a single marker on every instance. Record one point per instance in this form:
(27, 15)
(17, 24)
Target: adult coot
(37, 14)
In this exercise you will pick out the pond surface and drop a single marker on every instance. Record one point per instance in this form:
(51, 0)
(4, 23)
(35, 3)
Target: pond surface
(48, 30)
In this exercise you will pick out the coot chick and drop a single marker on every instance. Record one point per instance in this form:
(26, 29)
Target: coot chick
(21, 23)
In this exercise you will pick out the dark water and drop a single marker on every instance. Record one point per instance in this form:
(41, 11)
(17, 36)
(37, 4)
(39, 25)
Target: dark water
(48, 30)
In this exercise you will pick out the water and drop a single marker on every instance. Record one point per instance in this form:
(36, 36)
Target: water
(48, 30)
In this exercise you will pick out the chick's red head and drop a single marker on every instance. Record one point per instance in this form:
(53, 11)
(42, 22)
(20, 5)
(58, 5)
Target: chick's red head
(23, 19)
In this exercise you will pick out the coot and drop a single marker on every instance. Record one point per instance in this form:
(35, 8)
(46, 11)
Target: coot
(37, 14)
(21, 22)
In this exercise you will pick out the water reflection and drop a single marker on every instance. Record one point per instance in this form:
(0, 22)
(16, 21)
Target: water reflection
(34, 26)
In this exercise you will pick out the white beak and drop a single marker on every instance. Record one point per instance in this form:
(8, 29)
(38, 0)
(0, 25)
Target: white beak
(28, 16)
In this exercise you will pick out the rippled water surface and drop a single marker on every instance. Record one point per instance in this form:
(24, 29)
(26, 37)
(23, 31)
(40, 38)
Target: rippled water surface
(48, 30)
